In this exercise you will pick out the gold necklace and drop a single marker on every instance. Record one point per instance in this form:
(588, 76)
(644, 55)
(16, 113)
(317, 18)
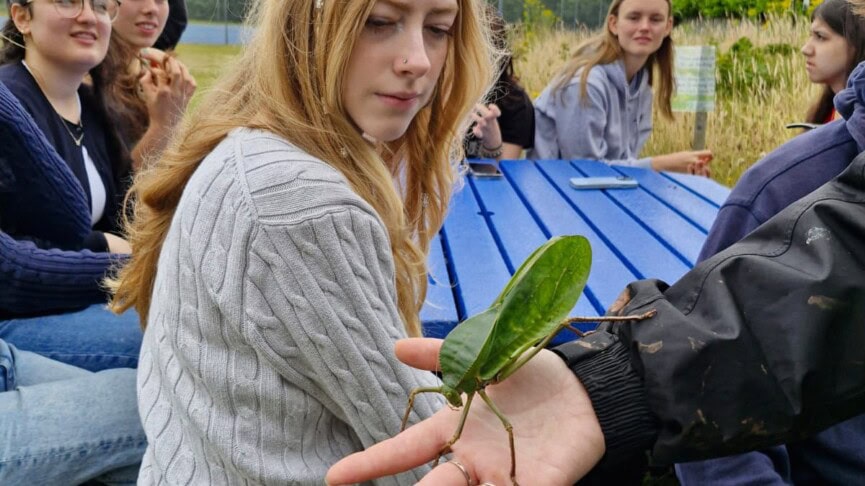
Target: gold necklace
(79, 125)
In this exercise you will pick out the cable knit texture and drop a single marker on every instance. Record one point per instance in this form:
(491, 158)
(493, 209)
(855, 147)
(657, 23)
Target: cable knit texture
(269, 349)
(42, 201)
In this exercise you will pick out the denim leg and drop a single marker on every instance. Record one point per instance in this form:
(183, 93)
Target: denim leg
(69, 431)
(93, 338)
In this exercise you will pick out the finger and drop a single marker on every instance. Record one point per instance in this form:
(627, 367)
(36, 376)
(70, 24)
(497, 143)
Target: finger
(153, 56)
(495, 110)
(420, 353)
(418, 445)
(446, 474)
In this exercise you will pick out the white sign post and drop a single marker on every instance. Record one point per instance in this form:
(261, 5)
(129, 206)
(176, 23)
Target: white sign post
(695, 87)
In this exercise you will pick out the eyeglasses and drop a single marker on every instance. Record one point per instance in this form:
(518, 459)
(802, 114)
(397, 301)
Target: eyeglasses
(70, 9)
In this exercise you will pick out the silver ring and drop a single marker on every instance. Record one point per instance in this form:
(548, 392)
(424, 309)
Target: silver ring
(463, 470)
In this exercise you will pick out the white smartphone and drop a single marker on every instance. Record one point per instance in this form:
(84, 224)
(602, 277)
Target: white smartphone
(620, 182)
(483, 169)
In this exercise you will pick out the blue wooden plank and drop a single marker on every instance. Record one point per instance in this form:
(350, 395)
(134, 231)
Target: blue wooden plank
(640, 250)
(696, 209)
(517, 231)
(439, 312)
(478, 268)
(701, 186)
(609, 274)
(682, 236)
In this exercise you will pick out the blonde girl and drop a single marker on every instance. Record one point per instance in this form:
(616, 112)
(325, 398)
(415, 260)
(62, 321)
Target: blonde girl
(600, 105)
(279, 245)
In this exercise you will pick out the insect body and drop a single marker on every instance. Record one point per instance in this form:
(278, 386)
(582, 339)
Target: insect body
(533, 307)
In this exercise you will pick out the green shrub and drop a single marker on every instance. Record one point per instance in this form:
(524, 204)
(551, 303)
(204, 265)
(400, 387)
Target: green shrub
(685, 9)
(745, 68)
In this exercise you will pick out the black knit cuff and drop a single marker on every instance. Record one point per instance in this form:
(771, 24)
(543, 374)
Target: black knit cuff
(96, 242)
(603, 365)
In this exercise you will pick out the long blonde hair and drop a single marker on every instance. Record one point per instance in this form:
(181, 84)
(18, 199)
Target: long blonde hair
(289, 81)
(604, 48)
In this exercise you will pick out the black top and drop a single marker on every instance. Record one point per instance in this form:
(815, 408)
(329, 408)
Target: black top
(20, 82)
(517, 122)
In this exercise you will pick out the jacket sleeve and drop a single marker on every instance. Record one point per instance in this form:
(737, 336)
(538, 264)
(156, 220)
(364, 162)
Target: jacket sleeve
(731, 225)
(33, 280)
(759, 345)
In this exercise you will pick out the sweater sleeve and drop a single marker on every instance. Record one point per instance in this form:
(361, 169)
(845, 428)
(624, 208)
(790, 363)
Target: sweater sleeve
(36, 280)
(324, 285)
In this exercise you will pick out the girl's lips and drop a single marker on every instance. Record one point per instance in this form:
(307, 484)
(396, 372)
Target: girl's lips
(400, 101)
(88, 38)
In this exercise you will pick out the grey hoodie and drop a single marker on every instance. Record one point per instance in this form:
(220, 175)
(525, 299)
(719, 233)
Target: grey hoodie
(612, 124)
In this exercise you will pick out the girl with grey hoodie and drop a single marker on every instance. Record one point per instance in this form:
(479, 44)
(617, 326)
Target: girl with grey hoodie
(600, 105)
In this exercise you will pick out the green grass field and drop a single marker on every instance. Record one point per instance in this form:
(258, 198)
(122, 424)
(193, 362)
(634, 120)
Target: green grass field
(205, 62)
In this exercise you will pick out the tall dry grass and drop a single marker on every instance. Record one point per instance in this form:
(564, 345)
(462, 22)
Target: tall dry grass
(745, 125)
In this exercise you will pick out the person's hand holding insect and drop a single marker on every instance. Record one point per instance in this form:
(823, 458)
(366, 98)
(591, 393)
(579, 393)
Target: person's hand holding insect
(486, 129)
(166, 86)
(499, 356)
(557, 444)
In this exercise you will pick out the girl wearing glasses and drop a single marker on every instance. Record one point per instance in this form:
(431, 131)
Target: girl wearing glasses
(50, 48)
(147, 90)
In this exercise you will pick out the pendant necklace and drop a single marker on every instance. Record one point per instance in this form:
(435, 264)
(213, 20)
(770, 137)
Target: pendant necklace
(75, 130)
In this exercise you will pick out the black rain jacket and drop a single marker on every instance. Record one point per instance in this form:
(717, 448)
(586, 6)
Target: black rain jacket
(762, 344)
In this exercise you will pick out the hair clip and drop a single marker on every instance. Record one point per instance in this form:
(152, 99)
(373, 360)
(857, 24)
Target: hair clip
(319, 4)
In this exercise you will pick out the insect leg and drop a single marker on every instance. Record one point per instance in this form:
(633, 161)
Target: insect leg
(447, 447)
(414, 393)
(508, 427)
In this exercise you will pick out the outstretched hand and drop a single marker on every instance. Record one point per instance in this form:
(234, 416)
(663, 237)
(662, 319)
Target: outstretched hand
(557, 436)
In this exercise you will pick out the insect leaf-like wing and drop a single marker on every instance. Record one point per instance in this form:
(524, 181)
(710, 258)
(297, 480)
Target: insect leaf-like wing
(541, 294)
(464, 350)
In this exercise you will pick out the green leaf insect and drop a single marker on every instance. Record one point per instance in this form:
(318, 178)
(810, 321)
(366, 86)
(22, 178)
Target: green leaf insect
(487, 348)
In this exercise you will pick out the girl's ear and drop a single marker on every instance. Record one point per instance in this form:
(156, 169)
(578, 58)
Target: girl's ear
(20, 17)
(669, 29)
(613, 24)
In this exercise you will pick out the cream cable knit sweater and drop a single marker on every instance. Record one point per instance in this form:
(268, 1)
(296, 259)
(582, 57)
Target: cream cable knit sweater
(269, 349)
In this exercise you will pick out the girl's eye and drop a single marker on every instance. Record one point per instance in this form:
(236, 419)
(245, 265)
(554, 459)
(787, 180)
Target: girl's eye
(439, 32)
(379, 25)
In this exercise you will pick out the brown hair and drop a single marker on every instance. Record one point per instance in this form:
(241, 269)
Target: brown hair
(120, 92)
(843, 18)
(289, 80)
(604, 48)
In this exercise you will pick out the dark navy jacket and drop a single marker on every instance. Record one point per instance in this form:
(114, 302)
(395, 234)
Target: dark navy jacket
(41, 198)
(101, 145)
(794, 170)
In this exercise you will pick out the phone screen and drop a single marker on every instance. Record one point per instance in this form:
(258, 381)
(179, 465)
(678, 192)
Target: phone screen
(482, 169)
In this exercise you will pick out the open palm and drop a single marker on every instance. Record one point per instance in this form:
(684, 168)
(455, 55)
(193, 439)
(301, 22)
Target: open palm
(556, 433)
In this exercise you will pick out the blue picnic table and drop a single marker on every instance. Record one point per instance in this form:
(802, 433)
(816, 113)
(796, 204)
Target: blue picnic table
(653, 231)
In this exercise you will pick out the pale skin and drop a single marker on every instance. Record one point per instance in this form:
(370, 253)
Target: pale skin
(486, 128)
(60, 72)
(827, 56)
(166, 86)
(558, 444)
(641, 27)
(165, 83)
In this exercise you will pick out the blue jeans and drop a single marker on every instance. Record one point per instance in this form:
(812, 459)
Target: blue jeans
(93, 338)
(63, 425)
